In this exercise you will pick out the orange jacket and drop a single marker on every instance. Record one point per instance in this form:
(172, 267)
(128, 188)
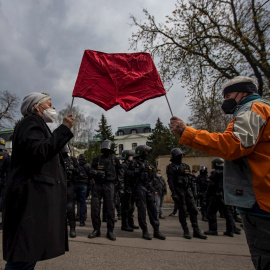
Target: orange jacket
(245, 146)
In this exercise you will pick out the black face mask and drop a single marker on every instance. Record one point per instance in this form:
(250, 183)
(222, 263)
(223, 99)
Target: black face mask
(229, 105)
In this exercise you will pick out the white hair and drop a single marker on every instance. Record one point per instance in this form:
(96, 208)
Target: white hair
(42, 101)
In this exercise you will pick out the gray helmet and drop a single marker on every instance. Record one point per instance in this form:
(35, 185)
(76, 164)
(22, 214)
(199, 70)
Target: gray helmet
(2, 144)
(218, 163)
(142, 150)
(127, 153)
(107, 145)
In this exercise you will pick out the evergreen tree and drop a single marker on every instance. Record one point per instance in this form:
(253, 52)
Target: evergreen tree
(162, 142)
(92, 151)
(105, 131)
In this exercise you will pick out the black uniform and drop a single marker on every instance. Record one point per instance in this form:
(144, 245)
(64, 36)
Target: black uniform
(179, 180)
(71, 165)
(202, 185)
(143, 176)
(104, 187)
(216, 202)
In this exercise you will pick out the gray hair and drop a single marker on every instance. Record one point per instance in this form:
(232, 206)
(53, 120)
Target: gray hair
(42, 101)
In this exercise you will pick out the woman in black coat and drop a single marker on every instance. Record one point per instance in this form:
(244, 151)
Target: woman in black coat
(34, 207)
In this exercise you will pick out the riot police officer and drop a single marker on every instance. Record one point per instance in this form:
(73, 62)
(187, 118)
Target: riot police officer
(216, 201)
(104, 187)
(71, 165)
(143, 174)
(4, 168)
(202, 185)
(127, 200)
(179, 181)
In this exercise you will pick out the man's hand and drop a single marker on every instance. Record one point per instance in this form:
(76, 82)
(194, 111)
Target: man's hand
(68, 121)
(177, 125)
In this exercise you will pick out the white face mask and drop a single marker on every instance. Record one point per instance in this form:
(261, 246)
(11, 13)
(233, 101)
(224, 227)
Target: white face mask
(49, 115)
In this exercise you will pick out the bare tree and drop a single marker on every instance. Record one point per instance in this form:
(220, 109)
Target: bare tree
(205, 42)
(8, 109)
(83, 125)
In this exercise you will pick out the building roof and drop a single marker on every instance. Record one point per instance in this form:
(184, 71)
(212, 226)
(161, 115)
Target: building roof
(134, 126)
(143, 128)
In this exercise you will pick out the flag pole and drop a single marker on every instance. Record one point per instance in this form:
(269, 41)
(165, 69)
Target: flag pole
(70, 110)
(168, 104)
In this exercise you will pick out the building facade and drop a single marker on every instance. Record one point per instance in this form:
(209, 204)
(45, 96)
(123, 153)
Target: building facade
(129, 137)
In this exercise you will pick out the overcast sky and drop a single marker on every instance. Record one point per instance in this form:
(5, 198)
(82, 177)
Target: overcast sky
(42, 44)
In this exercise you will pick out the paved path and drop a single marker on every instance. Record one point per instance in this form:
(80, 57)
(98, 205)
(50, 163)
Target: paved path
(131, 252)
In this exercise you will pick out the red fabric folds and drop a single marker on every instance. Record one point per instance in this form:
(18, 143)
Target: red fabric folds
(127, 79)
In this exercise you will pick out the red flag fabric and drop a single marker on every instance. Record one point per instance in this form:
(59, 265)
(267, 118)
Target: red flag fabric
(127, 79)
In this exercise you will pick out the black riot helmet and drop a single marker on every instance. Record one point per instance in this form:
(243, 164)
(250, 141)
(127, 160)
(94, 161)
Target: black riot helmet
(107, 146)
(203, 170)
(127, 153)
(218, 163)
(142, 151)
(2, 144)
(176, 155)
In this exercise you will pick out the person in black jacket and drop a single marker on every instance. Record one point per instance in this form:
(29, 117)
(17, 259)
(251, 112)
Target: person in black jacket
(160, 187)
(215, 196)
(34, 203)
(179, 181)
(202, 186)
(143, 175)
(82, 183)
(128, 198)
(71, 164)
(104, 187)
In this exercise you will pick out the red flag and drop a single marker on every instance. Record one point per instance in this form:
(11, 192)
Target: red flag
(127, 79)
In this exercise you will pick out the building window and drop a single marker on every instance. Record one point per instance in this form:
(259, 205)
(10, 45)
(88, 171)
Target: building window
(121, 148)
(134, 145)
(133, 131)
(120, 132)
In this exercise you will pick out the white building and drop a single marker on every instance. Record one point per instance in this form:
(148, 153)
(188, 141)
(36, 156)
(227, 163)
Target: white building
(129, 137)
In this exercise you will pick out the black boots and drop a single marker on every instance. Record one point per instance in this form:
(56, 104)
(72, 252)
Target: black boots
(159, 235)
(131, 224)
(94, 234)
(82, 223)
(197, 234)
(125, 226)
(209, 232)
(110, 236)
(186, 233)
(146, 235)
(72, 233)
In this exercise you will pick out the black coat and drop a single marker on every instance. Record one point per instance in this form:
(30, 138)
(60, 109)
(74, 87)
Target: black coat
(34, 205)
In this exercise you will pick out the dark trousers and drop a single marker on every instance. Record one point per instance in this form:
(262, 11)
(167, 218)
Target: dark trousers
(186, 204)
(20, 266)
(216, 204)
(145, 199)
(127, 208)
(105, 191)
(71, 205)
(257, 230)
(203, 203)
(80, 191)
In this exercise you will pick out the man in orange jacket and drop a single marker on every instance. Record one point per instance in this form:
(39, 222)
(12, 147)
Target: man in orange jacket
(245, 146)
